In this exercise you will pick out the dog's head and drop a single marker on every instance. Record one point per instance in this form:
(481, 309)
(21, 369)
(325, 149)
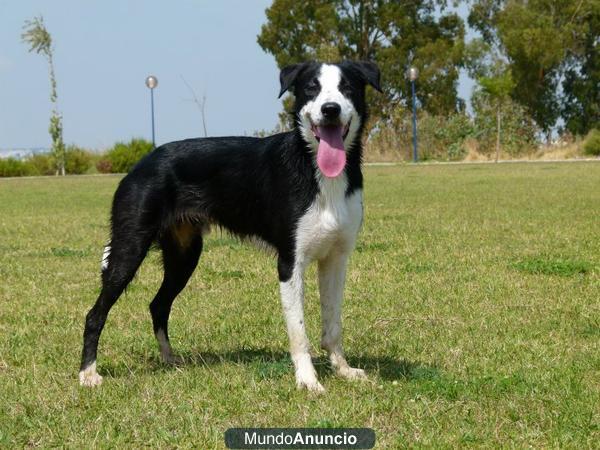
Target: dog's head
(330, 107)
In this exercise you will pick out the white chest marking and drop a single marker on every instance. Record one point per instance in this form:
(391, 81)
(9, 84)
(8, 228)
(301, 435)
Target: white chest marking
(331, 223)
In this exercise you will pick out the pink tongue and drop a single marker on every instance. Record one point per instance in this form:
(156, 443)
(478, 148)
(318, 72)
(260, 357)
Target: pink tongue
(331, 156)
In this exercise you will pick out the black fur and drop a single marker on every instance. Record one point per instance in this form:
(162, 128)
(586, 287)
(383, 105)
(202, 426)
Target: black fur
(249, 186)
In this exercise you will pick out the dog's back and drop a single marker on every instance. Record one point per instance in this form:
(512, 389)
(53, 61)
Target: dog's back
(242, 184)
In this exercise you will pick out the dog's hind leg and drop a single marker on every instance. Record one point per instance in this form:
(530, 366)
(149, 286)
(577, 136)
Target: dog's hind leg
(120, 262)
(181, 250)
(332, 274)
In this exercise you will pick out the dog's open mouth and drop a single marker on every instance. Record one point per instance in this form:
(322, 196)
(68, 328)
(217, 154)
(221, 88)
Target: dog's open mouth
(317, 133)
(331, 153)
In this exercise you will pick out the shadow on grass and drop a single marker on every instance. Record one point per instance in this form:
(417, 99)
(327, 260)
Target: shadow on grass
(272, 364)
(391, 369)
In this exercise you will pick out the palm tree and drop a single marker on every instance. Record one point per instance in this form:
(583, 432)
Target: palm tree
(39, 40)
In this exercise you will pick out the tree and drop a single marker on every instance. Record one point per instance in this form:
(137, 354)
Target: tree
(550, 45)
(200, 103)
(581, 105)
(498, 87)
(39, 40)
(494, 79)
(394, 34)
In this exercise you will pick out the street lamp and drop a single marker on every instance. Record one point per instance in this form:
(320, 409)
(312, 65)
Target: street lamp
(152, 82)
(412, 75)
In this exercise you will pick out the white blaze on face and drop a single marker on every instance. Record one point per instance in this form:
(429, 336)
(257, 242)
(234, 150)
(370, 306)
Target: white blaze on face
(329, 79)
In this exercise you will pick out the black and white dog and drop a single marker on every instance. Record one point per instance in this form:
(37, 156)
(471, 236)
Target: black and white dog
(300, 192)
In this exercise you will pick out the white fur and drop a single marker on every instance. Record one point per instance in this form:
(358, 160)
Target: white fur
(89, 377)
(311, 114)
(331, 223)
(332, 274)
(327, 233)
(292, 300)
(105, 255)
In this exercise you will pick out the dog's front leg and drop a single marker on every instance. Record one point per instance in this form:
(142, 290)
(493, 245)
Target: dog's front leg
(292, 299)
(332, 275)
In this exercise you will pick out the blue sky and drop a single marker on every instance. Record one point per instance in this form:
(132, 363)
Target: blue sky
(103, 52)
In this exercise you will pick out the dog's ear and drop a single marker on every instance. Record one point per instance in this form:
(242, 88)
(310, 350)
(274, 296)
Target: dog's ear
(369, 72)
(288, 76)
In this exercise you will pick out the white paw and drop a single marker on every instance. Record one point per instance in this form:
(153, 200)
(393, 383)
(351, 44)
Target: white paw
(350, 373)
(310, 385)
(89, 377)
(306, 378)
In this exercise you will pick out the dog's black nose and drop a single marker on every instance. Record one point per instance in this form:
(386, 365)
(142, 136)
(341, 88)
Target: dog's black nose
(331, 110)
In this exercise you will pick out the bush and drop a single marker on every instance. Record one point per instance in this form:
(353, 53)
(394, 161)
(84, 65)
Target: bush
(591, 144)
(443, 137)
(11, 167)
(42, 164)
(439, 137)
(517, 130)
(103, 165)
(123, 156)
(77, 160)
(390, 140)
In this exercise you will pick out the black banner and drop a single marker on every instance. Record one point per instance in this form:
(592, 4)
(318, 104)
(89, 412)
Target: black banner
(255, 438)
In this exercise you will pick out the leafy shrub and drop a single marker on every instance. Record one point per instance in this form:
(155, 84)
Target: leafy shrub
(517, 130)
(11, 167)
(77, 160)
(103, 165)
(591, 144)
(390, 140)
(123, 156)
(443, 137)
(439, 137)
(42, 164)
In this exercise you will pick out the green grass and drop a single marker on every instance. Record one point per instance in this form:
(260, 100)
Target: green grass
(472, 302)
(552, 266)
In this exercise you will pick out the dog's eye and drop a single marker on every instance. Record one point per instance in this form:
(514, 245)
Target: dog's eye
(312, 88)
(345, 87)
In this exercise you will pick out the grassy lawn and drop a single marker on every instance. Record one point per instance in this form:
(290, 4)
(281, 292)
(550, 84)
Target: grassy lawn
(473, 302)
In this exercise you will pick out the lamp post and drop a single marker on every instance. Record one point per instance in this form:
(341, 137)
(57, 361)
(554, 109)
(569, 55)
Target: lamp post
(412, 74)
(152, 82)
